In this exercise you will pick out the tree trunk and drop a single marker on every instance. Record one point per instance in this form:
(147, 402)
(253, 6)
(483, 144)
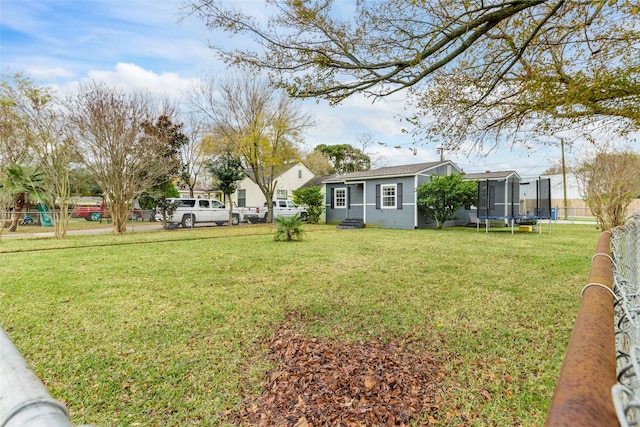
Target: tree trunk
(119, 215)
(61, 219)
(18, 206)
(230, 207)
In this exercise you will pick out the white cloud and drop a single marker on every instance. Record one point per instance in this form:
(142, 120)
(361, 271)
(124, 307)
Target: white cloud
(391, 156)
(46, 73)
(345, 122)
(379, 116)
(330, 126)
(132, 76)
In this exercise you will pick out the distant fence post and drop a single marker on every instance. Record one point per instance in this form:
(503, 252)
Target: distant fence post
(24, 400)
(583, 392)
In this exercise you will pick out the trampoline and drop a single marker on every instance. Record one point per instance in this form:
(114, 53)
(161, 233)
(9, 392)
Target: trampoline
(500, 200)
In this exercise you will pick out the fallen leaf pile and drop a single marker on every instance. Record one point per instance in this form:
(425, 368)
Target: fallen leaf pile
(318, 383)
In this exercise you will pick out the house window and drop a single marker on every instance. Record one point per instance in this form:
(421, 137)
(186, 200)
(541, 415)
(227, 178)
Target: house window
(388, 196)
(340, 197)
(299, 173)
(242, 198)
(281, 194)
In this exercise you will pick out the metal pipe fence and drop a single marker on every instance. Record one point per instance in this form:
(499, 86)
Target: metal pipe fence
(599, 383)
(24, 400)
(583, 392)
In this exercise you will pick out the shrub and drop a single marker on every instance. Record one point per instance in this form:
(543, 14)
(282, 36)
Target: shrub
(313, 199)
(289, 228)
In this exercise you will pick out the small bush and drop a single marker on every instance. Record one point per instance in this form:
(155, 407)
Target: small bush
(313, 199)
(289, 229)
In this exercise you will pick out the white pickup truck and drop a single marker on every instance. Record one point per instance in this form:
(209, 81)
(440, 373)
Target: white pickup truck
(284, 208)
(191, 211)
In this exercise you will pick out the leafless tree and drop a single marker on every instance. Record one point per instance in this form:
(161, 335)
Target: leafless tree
(365, 142)
(14, 126)
(193, 153)
(34, 132)
(56, 151)
(107, 122)
(609, 182)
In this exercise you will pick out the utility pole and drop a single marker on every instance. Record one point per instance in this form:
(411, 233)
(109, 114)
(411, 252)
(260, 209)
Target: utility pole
(564, 180)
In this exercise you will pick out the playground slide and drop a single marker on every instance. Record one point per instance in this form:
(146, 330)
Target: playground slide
(45, 215)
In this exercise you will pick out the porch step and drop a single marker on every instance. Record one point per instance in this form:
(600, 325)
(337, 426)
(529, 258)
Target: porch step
(351, 223)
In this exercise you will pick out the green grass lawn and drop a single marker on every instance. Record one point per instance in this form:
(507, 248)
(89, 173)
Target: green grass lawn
(170, 328)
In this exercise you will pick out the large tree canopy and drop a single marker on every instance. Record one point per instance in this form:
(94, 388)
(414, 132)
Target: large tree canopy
(345, 158)
(262, 126)
(122, 144)
(580, 74)
(497, 64)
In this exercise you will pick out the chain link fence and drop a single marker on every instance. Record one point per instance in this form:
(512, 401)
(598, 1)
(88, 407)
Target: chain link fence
(46, 218)
(625, 251)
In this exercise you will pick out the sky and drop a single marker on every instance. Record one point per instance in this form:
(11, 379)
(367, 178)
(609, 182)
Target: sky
(144, 44)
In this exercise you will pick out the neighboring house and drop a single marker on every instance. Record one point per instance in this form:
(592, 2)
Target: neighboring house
(199, 192)
(498, 194)
(318, 181)
(289, 177)
(384, 197)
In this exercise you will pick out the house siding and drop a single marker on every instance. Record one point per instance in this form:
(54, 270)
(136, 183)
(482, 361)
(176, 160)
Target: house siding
(290, 180)
(355, 203)
(365, 199)
(402, 216)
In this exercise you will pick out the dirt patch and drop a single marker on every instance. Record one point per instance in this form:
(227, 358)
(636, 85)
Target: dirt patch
(325, 383)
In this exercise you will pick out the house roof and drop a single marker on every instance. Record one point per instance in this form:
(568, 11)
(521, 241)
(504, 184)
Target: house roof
(317, 181)
(499, 175)
(403, 170)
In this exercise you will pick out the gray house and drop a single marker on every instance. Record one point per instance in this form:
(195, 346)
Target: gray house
(384, 197)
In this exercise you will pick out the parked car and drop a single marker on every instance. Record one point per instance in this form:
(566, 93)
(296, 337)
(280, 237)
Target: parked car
(285, 208)
(189, 212)
(99, 210)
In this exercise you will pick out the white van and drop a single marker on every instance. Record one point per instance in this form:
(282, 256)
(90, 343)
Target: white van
(191, 211)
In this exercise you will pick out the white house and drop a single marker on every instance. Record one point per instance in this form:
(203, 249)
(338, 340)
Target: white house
(575, 205)
(290, 177)
(199, 192)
